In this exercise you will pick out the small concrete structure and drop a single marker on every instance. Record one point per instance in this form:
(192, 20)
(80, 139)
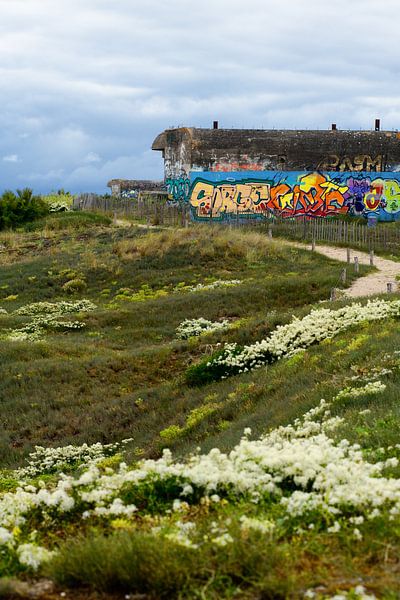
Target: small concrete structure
(130, 188)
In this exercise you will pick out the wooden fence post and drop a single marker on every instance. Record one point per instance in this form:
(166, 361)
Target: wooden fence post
(356, 265)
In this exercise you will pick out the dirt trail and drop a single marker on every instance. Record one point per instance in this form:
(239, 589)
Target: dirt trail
(375, 283)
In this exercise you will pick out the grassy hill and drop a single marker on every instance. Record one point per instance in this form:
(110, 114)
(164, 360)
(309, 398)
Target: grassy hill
(90, 353)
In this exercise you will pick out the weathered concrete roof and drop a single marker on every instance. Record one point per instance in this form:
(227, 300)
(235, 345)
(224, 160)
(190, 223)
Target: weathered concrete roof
(284, 149)
(126, 183)
(226, 138)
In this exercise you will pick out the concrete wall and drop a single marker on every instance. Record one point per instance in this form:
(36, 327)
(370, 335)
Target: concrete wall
(255, 194)
(284, 157)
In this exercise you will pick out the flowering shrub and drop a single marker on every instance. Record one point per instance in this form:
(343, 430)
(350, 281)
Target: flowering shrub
(357, 593)
(309, 477)
(288, 339)
(202, 287)
(195, 327)
(349, 393)
(144, 293)
(52, 460)
(148, 293)
(59, 308)
(47, 315)
(78, 284)
(59, 206)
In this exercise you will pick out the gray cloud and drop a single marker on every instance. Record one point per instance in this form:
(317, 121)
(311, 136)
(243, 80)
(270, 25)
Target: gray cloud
(85, 85)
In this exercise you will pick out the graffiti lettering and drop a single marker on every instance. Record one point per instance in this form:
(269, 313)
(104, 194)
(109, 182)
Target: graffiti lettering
(392, 195)
(296, 194)
(383, 193)
(361, 162)
(357, 189)
(214, 201)
(313, 195)
(178, 188)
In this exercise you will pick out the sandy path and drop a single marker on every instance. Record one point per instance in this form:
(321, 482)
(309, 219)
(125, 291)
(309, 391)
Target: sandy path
(375, 283)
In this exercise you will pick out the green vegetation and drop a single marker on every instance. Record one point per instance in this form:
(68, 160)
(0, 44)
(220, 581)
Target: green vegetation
(67, 221)
(122, 373)
(128, 350)
(20, 208)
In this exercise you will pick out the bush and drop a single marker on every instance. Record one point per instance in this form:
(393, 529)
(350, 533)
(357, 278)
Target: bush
(137, 562)
(69, 221)
(74, 285)
(22, 207)
(208, 370)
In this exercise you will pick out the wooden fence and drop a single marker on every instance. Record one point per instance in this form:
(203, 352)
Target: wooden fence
(153, 208)
(150, 207)
(384, 236)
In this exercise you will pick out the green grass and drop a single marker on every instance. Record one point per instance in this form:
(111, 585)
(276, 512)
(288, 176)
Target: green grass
(129, 349)
(253, 567)
(70, 221)
(124, 376)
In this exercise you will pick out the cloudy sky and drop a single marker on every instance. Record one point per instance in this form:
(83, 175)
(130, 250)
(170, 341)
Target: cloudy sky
(87, 84)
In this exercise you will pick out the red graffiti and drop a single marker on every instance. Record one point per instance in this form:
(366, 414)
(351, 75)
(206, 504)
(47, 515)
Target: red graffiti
(373, 199)
(314, 195)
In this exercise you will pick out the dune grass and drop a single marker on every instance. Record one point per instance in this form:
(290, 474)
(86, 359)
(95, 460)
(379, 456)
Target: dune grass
(123, 373)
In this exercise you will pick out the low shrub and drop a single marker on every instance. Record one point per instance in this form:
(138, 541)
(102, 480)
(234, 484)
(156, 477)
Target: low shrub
(75, 285)
(62, 221)
(213, 368)
(140, 562)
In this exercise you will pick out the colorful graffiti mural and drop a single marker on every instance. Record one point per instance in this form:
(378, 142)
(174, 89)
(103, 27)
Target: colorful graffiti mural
(178, 188)
(292, 194)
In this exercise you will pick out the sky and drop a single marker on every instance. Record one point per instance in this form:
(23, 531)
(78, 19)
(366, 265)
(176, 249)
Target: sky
(86, 85)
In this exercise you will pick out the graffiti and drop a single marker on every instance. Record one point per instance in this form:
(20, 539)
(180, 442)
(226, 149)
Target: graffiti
(246, 163)
(236, 166)
(391, 195)
(383, 193)
(357, 190)
(314, 195)
(178, 188)
(361, 162)
(244, 198)
(130, 194)
(293, 194)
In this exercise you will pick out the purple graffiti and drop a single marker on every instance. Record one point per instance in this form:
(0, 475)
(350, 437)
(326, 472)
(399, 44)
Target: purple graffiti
(354, 197)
